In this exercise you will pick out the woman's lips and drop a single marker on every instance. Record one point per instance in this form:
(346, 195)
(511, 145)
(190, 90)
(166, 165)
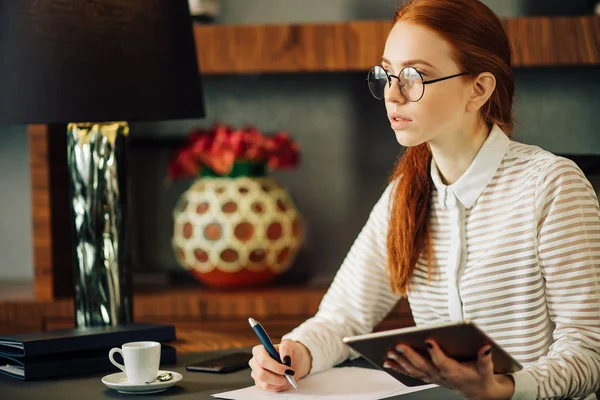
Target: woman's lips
(398, 122)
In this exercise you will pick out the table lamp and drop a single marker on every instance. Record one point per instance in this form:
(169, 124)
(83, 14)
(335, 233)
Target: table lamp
(94, 64)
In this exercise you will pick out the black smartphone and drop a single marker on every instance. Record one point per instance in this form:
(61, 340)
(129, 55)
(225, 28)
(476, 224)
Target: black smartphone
(222, 364)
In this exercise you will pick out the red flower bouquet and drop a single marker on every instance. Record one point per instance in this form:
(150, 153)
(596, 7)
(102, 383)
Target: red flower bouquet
(221, 147)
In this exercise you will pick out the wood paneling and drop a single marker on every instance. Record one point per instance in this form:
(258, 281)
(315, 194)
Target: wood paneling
(356, 46)
(554, 41)
(50, 212)
(231, 49)
(279, 309)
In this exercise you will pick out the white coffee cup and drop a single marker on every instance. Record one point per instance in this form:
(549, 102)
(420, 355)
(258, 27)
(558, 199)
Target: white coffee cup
(141, 361)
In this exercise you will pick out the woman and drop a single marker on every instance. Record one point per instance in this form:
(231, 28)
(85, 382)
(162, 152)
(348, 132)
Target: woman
(472, 226)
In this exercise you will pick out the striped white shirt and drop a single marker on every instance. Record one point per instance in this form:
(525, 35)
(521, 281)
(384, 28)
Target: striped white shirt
(516, 250)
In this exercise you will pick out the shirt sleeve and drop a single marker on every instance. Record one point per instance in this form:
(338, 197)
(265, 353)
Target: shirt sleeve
(568, 235)
(358, 299)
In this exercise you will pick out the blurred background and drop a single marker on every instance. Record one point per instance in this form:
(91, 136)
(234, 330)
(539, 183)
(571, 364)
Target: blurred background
(348, 148)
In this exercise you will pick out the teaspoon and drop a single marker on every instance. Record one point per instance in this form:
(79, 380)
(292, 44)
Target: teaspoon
(162, 377)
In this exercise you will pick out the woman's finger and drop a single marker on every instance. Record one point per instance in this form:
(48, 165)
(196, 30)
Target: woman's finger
(286, 351)
(264, 376)
(419, 362)
(393, 364)
(265, 361)
(258, 375)
(252, 363)
(485, 365)
(447, 366)
(406, 365)
(269, 388)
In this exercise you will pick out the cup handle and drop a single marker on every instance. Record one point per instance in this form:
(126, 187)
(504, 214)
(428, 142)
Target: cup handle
(111, 355)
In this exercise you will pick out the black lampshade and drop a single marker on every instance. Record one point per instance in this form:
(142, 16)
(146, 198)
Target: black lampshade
(97, 60)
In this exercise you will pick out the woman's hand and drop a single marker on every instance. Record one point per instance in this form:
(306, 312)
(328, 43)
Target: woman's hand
(473, 381)
(269, 375)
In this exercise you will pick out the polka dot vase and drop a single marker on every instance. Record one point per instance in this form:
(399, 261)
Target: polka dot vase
(241, 230)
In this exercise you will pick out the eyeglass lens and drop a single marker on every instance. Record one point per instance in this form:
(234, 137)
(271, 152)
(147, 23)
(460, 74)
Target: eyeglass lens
(410, 81)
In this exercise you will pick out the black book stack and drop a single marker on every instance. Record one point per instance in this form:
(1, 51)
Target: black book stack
(70, 352)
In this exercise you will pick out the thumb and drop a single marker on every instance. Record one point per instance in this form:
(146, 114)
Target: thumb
(485, 366)
(286, 351)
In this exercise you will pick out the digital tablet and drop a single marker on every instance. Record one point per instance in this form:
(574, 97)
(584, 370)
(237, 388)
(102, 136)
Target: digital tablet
(460, 341)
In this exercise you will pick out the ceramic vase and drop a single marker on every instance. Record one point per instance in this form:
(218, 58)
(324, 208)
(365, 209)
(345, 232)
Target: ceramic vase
(239, 230)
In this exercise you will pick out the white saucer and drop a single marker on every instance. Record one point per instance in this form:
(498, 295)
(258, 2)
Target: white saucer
(119, 382)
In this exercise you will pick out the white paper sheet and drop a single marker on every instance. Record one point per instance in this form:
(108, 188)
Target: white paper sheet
(348, 383)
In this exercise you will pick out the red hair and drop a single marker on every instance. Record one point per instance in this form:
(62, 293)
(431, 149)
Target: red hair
(480, 45)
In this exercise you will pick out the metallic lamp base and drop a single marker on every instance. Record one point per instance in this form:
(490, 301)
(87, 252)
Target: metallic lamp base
(97, 177)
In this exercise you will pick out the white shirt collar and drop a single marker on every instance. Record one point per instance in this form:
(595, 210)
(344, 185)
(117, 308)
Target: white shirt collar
(473, 182)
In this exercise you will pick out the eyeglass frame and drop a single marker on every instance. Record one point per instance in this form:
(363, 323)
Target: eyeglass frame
(390, 76)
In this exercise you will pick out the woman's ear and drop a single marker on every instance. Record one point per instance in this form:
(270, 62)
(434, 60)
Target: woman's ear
(482, 88)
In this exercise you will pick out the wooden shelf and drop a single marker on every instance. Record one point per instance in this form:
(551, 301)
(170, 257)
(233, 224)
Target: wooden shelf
(356, 46)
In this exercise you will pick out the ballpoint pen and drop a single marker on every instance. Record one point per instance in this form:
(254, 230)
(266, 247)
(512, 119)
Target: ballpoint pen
(266, 341)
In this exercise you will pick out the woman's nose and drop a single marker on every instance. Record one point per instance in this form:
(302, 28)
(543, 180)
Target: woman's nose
(393, 93)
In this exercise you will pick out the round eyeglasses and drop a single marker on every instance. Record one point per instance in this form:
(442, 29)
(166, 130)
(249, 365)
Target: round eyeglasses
(410, 81)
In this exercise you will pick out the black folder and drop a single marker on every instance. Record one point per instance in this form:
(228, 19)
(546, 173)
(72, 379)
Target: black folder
(67, 352)
(69, 364)
(82, 339)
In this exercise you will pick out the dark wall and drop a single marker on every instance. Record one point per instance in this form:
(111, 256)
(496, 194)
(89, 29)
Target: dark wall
(348, 149)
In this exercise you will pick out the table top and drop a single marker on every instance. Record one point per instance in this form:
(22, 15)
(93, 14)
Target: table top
(194, 385)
